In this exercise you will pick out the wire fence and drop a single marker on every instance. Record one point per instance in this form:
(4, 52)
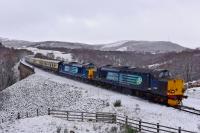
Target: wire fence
(105, 117)
(139, 125)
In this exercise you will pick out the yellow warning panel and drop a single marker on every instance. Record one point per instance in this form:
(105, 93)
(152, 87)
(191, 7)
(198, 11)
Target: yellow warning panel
(175, 87)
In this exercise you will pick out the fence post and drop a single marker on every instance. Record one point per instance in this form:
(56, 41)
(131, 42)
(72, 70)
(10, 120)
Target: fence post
(48, 111)
(179, 129)
(82, 116)
(114, 118)
(2, 120)
(18, 115)
(96, 117)
(126, 120)
(27, 114)
(157, 127)
(140, 125)
(67, 115)
(37, 112)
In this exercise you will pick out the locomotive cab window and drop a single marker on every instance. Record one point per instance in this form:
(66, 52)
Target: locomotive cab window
(165, 74)
(161, 75)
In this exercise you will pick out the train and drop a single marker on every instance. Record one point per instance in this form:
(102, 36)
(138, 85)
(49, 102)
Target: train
(157, 85)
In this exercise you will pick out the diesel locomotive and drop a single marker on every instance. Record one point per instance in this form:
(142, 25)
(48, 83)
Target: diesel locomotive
(156, 85)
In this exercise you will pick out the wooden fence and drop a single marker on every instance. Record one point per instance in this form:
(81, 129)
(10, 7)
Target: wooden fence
(139, 125)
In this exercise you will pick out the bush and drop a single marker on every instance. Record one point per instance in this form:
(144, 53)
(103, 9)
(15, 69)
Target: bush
(113, 130)
(128, 129)
(58, 129)
(117, 103)
(66, 131)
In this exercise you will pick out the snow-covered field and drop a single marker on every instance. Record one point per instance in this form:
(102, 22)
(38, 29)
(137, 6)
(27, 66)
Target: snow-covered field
(193, 99)
(43, 90)
(57, 54)
(48, 124)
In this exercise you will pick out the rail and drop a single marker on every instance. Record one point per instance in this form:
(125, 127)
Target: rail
(188, 109)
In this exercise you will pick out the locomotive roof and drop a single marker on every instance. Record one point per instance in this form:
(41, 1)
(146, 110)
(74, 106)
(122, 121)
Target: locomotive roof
(77, 63)
(47, 60)
(133, 69)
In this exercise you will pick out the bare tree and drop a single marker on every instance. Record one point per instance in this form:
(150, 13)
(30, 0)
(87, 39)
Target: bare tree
(51, 55)
(8, 59)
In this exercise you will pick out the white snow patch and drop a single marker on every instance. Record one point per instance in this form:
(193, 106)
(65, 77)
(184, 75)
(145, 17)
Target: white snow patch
(158, 64)
(58, 54)
(193, 99)
(49, 124)
(114, 44)
(122, 49)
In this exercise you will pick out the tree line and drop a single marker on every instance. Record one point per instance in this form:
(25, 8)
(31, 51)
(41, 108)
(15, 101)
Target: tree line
(9, 58)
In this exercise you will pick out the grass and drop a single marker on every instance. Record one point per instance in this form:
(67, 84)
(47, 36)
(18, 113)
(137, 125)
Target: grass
(128, 129)
(117, 103)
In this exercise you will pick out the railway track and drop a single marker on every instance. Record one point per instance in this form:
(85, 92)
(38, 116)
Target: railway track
(188, 109)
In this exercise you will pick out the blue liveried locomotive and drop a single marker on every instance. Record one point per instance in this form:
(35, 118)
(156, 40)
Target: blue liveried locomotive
(76, 69)
(124, 76)
(154, 84)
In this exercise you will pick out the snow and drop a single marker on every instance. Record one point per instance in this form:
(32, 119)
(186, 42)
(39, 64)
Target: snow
(48, 124)
(159, 64)
(58, 54)
(122, 49)
(193, 99)
(43, 90)
(114, 44)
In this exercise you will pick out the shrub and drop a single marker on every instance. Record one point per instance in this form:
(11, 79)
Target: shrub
(58, 129)
(107, 104)
(117, 103)
(128, 129)
(65, 130)
(113, 130)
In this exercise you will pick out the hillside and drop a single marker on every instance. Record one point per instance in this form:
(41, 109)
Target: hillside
(58, 44)
(143, 46)
(14, 43)
(137, 46)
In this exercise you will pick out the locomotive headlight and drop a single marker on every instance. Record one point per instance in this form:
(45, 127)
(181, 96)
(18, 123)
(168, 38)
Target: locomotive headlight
(155, 88)
(149, 89)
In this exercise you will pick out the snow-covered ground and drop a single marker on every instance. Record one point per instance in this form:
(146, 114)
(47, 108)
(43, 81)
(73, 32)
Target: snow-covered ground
(57, 54)
(48, 124)
(44, 89)
(116, 44)
(193, 99)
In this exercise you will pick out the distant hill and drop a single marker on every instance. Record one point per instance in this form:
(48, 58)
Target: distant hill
(59, 44)
(137, 46)
(143, 46)
(14, 43)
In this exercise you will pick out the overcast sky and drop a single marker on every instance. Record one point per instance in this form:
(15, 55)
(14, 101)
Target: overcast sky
(102, 21)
